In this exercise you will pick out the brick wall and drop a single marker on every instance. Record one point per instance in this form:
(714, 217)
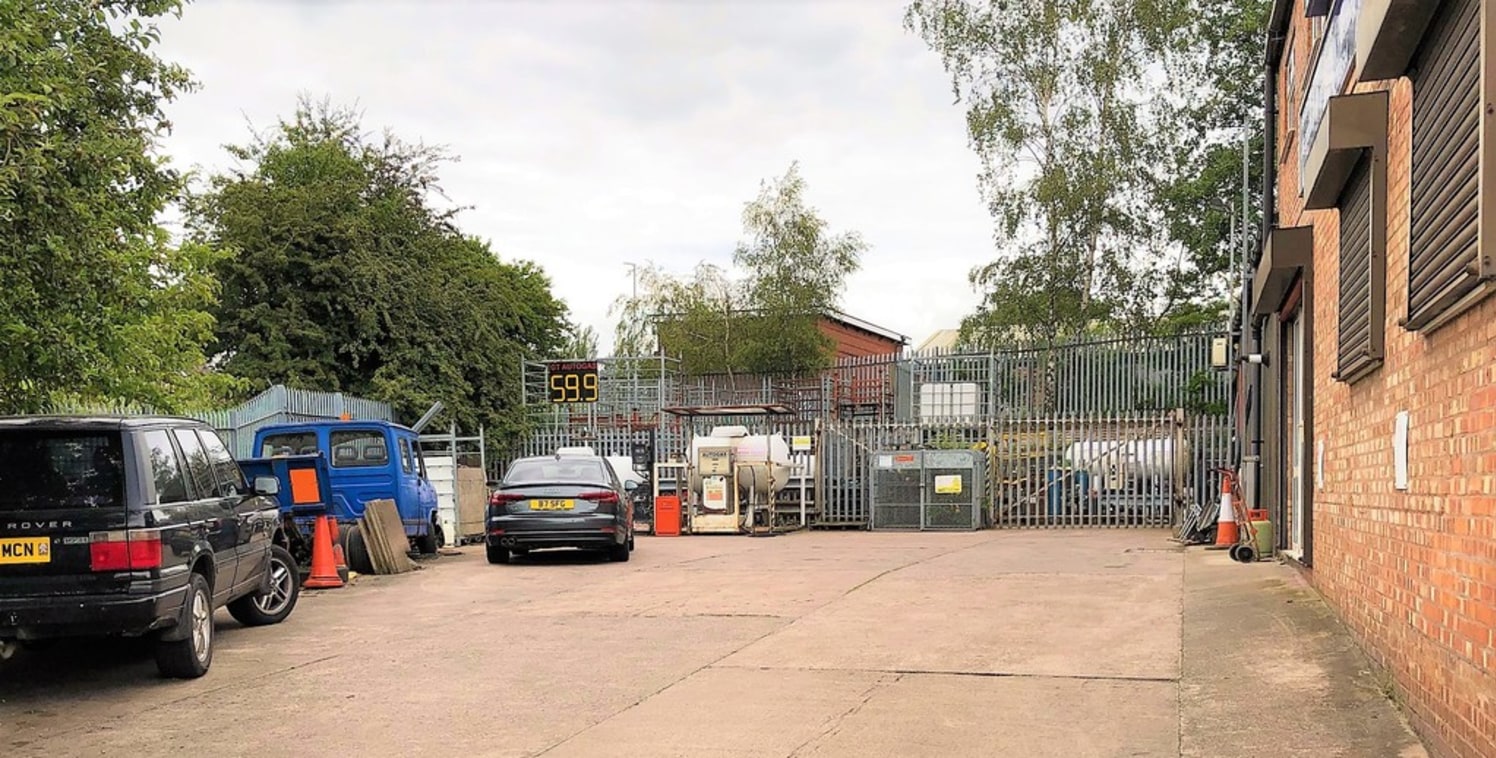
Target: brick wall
(1413, 573)
(852, 342)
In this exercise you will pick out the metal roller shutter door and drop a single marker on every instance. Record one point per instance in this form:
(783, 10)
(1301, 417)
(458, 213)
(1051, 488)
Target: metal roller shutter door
(1355, 328)
(1446, 162)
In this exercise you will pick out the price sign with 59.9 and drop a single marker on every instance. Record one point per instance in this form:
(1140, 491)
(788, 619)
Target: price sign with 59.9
(572, 382)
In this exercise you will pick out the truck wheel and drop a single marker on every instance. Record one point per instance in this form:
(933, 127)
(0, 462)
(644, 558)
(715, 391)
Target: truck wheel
(190, 657)
(431, 541)
(356, 551)
(272, 607)
(497, 553)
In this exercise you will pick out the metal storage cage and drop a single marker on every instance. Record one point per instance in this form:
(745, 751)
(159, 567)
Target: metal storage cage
(928, 489)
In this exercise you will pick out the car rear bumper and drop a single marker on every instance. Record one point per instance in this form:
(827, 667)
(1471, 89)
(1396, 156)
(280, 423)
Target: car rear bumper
(89, 615)
(591, 530)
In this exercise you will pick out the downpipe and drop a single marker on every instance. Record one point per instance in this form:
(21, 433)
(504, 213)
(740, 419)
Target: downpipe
(1249, 470)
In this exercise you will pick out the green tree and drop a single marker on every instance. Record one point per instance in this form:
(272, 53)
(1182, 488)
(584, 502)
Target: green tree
(1200, 195)
(700, 320)
(1093, 120)
(344, 276)
(97, 305)
(794, 269)
(1056, 113)
(581, 342)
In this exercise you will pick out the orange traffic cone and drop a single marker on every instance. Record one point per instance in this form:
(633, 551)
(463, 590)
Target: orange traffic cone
(324, 569)
(337, 551)
(1227, 531)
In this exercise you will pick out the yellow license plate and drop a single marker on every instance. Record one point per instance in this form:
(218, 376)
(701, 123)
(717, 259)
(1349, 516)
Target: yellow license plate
(26, 550)
(552, 505)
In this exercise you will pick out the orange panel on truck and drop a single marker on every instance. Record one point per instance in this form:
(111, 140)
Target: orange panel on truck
(304, 490)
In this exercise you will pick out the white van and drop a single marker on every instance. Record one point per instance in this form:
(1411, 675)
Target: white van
(623, 466)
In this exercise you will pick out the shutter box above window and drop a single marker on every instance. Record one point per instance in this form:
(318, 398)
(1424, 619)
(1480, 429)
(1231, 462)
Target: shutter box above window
(1286, 255)
(1388, 32)
(1353, 125)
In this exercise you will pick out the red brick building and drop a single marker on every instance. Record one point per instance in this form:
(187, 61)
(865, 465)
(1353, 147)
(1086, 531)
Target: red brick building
(856, 338)
(1372, 428)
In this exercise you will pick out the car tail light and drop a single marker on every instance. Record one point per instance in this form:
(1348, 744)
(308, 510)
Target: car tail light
(604, 497)
(129, 550)
(504, 498)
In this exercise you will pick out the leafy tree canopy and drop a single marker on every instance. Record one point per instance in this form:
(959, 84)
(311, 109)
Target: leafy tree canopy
(794, 269)
(97, 305)
(1107, 130)
(344, 276)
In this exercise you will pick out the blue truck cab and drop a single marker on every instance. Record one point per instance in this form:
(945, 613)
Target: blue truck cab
(355, 462)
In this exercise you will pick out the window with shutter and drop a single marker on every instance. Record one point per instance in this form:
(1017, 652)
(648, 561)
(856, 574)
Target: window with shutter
(1360, 336)
(1443, 264)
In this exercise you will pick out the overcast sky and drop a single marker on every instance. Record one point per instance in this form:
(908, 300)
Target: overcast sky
(598, 132)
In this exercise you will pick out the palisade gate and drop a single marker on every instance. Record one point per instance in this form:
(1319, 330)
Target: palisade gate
(1113, 433)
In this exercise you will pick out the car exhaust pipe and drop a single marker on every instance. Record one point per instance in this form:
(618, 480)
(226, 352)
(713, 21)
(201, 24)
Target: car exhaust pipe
(507, 542)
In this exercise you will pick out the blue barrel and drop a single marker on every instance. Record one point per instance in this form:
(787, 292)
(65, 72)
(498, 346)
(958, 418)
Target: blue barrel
(1056, 490)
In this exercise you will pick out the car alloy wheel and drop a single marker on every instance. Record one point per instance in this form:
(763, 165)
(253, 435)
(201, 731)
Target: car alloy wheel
(283, 580)
(202, 626)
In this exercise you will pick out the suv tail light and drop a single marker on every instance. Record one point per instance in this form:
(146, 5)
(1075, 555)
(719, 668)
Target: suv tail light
(504, 498)
(603, 497)
(129, 550)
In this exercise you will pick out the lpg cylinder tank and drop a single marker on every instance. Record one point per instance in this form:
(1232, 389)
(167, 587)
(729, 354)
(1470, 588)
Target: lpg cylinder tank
(763, 465)
(1156, 458)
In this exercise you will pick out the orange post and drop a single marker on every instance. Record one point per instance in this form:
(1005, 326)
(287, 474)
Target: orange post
(324, 567)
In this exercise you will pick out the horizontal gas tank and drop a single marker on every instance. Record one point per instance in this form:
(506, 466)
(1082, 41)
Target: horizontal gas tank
(1157, 457)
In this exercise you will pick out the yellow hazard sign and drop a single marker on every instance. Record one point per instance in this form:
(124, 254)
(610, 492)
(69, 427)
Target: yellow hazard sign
(948, 485)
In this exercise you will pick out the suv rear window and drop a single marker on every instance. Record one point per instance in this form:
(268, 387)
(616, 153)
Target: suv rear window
(557, 471)
(41, 470)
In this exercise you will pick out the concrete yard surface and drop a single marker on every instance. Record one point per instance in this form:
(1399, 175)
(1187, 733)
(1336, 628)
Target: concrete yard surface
(999, 643)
